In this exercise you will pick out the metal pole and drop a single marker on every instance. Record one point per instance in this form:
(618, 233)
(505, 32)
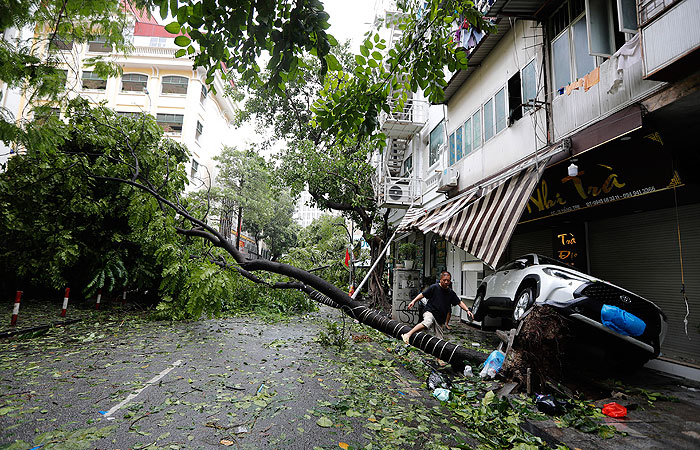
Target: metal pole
(379, 258)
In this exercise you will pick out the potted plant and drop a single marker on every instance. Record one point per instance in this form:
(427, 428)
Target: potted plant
(408, 252)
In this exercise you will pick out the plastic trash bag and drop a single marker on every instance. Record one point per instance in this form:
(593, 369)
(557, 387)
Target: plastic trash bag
(468, 371)
(435, 380)
(549, 405)
(493, 364)
(613, 409)
(441, 394)
(622, 321)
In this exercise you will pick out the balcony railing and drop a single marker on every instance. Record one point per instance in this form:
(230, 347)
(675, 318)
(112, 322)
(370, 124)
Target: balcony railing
(613, 92)
(404, 122)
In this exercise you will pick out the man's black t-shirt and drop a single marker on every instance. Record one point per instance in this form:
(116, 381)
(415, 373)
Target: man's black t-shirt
(440, 301)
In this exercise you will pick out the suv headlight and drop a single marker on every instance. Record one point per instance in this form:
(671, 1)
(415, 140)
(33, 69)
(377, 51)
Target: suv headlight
(563, 274)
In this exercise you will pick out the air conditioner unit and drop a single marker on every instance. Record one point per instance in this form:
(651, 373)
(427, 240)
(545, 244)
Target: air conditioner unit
(397, 194)
(448, 180)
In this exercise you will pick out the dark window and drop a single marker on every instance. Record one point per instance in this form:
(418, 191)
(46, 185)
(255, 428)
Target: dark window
(194, 171)
(134, 82)
(93, 81)
(408, 165)
(515, 98)
(174, 85)
(198, 132)
(437, 138)
(131, 114)
(203, 95)
(99, 45)
(171, 123)
(60, 43)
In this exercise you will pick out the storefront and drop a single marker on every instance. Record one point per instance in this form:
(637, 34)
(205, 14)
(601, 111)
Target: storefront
(630, 216)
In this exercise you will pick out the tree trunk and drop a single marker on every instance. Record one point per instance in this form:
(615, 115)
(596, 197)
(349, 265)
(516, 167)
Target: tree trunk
(226, 224)
(238, 228)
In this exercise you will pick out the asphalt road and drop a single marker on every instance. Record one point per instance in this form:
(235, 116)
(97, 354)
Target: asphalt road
(117, 381)
(121, 382)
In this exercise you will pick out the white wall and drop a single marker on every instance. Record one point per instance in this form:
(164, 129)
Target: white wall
(518, 47)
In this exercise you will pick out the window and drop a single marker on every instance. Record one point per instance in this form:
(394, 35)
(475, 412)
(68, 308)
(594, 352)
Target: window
(43, 113)
(467, 137)
(203, 95)
(437, 139)
(93, 81)
(174, 85)
(458, 143)
(584, 29)
(99, 45)
(60, 43)
(134, 82)
(529, 82)
(476, 130)
(408, 165)
(455, 143)
(515, 98)
(157, 42)
(194, 171)
(500, 100)
(488, 120)
(171, 123)
(198, 132)
(130, 114)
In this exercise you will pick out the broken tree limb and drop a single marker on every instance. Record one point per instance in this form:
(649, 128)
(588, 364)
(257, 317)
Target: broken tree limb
(446, 351)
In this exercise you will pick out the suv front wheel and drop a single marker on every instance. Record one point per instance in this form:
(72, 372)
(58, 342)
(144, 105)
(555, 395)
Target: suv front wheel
(523, 301)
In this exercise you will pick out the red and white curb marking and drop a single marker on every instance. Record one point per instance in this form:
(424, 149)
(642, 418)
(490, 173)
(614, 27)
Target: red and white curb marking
(99, 297)
(65, 302)
(133, 395)
(15, 309)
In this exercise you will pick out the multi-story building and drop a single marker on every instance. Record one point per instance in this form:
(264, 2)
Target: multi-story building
(304, 213)
(154, 82)
(570, 135)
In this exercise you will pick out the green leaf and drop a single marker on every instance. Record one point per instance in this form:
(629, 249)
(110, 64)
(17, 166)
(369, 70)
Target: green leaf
(376, 55)
(331, 40)
(360, 60)
(164, 9)
(173, 28)
(182, 41)
(333, 63)
(180, 53)
(324, 422)
(364, 51)
(488, 398)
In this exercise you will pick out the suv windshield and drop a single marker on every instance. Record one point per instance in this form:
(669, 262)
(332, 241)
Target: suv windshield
(554, 262)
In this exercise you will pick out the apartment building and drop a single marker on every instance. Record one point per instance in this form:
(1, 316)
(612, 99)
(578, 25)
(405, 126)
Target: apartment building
(570, 135)
(153, 82)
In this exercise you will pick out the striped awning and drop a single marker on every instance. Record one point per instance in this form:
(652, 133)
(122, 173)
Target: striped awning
(481, 225)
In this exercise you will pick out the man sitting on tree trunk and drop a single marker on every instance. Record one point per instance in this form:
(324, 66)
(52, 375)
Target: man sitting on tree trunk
(441, 299)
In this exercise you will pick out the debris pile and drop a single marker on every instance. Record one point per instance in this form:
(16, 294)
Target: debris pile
(536, 349)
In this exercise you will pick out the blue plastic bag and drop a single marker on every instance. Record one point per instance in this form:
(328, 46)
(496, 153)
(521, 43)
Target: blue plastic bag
(493, 364)
(622, 321)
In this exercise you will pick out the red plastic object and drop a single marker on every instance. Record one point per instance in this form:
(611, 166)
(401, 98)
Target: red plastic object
(614, 410)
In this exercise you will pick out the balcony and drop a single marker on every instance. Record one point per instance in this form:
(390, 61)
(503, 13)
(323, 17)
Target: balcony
(581, 108)
(404, 122)
(670, 38)
(399, 192)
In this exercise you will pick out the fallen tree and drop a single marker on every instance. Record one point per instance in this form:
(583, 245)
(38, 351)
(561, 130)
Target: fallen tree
(188, 224)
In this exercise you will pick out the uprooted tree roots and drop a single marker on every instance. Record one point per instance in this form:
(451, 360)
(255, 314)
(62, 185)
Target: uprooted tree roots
(541, 345)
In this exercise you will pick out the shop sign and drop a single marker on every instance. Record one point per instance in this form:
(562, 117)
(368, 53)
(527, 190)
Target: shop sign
(569, 246)
(603, 177)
